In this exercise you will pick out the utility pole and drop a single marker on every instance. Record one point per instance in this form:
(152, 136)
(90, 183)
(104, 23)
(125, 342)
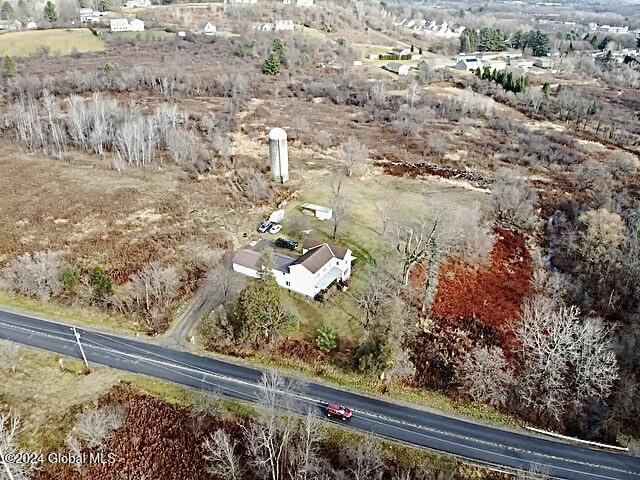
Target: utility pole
(75, 332)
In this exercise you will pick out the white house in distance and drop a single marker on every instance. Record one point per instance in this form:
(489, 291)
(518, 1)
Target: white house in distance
(88, 15)
(206, 28)
(10, 25)
(401, 69)
(137, 4)
(299, 3)
(319, 266)
(278, 25)
(126, 25)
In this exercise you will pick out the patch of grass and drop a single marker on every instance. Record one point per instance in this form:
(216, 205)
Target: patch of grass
(78, 315)
(58, 42)
(147, 35)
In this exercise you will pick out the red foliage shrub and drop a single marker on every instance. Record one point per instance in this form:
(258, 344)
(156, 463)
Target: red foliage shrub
(493, 294)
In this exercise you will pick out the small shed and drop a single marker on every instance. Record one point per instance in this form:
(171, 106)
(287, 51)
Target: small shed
(320, 212)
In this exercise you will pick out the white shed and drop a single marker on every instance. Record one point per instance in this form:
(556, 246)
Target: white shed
(206, 28)
(320, 212)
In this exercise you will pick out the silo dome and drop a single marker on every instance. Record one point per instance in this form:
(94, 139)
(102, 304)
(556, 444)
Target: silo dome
(278, 155)
(277, 134)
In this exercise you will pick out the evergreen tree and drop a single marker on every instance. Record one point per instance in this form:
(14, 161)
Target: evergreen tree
(9, 66)
(546, 89)
(605, 42)
(259, 314)
(486, 73)
(518, 41)
(413, 48)
(420, 49)
(100, 282)
(278, 49)
(594, 41)
(478, 72)
(271, 65)
(468, 40)
(50, 12)
(6, 11)
(638, 41)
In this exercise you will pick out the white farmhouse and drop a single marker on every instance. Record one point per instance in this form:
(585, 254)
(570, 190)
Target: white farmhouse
(206, 28)
(88, 15)
(126, 25)
(319, 266)
(469, 64)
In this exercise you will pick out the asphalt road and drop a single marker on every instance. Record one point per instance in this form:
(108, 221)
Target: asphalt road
(438, 432)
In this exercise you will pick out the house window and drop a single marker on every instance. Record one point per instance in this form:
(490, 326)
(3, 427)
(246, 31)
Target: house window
(288, 283)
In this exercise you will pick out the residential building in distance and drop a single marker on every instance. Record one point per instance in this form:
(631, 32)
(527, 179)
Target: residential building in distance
(10, 25)
(470, 64)
(126, 25)
(89, 15)
(278, 25)
(320, 266)
(137, 4)
(299, 3)
(401, 69)
(206, 28)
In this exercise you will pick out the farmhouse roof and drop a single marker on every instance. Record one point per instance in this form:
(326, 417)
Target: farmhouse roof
(315, 258)
(338, 250)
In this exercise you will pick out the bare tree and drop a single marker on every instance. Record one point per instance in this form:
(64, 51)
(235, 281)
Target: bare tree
(485, 376)
(36, 275)
(353, 154)
(470, 238)
(371, 299)
(9, 447)
(564, 361)
(338, 201)
(513, 200)
(223, 461)
(280, 446)
(365, 460)
(386, 208)
(94, 426)
(151, 290)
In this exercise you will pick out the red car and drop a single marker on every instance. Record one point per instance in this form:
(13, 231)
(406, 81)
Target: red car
(340, 411)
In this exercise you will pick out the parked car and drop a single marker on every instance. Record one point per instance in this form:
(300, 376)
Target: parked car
(339, 411)
(284, 243)
(275, 228)
(264, 226)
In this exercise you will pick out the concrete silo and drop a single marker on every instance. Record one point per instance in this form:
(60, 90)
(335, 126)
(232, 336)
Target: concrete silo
(279, 155)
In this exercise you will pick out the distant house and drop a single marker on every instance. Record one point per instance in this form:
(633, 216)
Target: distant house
(543, 63)
(401, 69)
(137, 3)
(242, 1)
(469, 64)
(10, 25)
(320, 212)
(373, 56)
(279, 25)
(126, 25)
(319, 266)
(299, 3)
(399, 51)
(206, 28)
(435, 63)
(88, 15)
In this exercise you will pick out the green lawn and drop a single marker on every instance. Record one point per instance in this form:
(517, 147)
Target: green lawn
(57, 41)
(361, 232)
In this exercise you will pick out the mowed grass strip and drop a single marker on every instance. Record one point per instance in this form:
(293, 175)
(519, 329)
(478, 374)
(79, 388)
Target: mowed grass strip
(58, 42)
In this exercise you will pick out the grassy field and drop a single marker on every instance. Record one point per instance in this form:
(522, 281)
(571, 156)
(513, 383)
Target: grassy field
(58, 42)
(361, 231)
(78, 315)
